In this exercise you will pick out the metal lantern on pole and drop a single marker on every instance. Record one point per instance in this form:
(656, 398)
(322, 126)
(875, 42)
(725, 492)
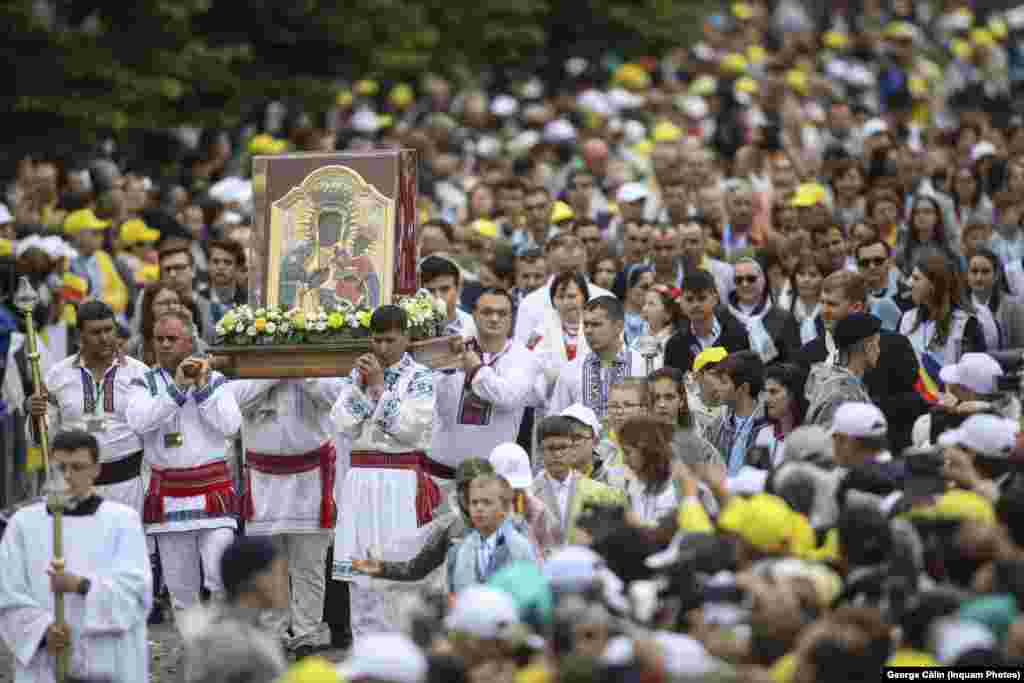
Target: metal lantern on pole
(25, 300)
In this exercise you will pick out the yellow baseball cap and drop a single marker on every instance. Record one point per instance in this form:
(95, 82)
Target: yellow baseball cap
(734, 63)
(808, 194)
(83, 219)
(767, 523)
(900, 30)
(742, 10)
(632, 76)
(961, 49)
(998, 28)
(797, 80)
(367, 88)
(267, 144)
(957, 504)
(747, 85)
(756, 54)
(666, 131)
(703, 86)
(710, 356)
(836, 40)
(561, 212)
(401, 95)
(982, 37)
(484, 227)
(135, 231)
(6, 247)
(343, 98)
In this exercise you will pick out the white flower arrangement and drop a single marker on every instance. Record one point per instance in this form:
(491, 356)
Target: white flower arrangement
(245, 325)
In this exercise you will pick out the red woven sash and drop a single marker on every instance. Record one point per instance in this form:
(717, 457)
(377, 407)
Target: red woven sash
(212, 481)
(428, 495)
(323, 458)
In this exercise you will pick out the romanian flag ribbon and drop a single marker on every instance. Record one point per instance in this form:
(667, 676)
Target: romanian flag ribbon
(928, 384)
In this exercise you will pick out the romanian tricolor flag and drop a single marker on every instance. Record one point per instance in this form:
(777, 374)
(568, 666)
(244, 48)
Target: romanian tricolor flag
(74, 288)
(928, 384)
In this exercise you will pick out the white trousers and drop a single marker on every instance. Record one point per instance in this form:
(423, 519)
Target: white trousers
(183, 553)
(307, 560)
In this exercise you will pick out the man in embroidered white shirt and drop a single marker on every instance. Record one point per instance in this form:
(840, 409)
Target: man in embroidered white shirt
(90, 391)
(481, 404)
(586, 379)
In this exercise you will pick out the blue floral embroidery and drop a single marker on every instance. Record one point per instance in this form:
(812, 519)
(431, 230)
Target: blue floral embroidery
(390, 408)
(215, 383)
(421, 385)
(358, 407)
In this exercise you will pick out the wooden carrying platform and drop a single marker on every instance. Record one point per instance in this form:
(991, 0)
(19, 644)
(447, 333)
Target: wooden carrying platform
(318, 360)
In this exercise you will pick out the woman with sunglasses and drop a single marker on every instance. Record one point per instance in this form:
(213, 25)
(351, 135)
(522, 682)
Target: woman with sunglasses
(774, 334)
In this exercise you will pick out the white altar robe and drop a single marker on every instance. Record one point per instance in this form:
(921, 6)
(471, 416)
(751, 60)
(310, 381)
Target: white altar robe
(586, 380)
(285, 417)
(509, 386)
(378, 506)
(68, 383)
(204, 418)
(108, 625)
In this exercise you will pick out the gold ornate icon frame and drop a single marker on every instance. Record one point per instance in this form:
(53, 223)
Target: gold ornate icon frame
(331, 237)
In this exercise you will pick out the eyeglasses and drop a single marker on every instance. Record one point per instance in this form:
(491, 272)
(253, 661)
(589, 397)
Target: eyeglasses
(872, 262)
(745, 279)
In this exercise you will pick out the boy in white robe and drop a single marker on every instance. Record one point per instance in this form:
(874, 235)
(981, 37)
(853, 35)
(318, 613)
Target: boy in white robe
(384, 416)
(106, 580)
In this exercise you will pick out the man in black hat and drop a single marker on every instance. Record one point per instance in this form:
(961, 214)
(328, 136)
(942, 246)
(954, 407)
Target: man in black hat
(829, 386)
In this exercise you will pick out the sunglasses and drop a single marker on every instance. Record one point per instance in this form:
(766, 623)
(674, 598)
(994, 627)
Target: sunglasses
(872, 262)
(745, 279)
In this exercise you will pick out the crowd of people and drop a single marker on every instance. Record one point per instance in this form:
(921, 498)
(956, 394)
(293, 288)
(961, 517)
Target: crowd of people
(734, 397)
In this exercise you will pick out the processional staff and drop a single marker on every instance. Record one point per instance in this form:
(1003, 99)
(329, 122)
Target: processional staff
(25, 300)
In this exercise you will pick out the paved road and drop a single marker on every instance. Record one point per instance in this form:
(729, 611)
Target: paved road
(163, 641)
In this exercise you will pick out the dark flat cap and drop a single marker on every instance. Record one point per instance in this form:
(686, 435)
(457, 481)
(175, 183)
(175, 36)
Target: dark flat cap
(855, 327)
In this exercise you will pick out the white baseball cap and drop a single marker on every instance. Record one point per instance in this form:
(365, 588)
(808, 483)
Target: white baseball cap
(988, 435)
(558, 131)
(874, 127)
(859, 420)
(573, 568)
(504, 105)
(5, 214)
(631, 192)
(684, 655)
(482, 612)
(389, 657)
(509, 460)
(580, 412)
(975, 371)
(981, 150)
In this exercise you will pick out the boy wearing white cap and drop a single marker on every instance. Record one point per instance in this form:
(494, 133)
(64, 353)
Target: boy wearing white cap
(859, 434)
(510, 461)
(976, 454)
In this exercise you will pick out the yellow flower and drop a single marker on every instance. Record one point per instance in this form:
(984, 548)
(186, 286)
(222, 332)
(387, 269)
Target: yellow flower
(299, 321)
(228, 321)
(335, 320)
(364, 318)
(260, 324)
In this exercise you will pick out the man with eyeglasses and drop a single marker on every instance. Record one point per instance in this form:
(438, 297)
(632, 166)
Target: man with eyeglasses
(481, 404)
(885, 298)
(565, 491)
(177, 270)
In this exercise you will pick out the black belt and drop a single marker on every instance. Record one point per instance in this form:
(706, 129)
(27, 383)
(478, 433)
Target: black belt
(121, 470)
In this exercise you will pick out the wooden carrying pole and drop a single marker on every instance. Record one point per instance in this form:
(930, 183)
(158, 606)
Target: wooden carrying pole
(25, 300)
